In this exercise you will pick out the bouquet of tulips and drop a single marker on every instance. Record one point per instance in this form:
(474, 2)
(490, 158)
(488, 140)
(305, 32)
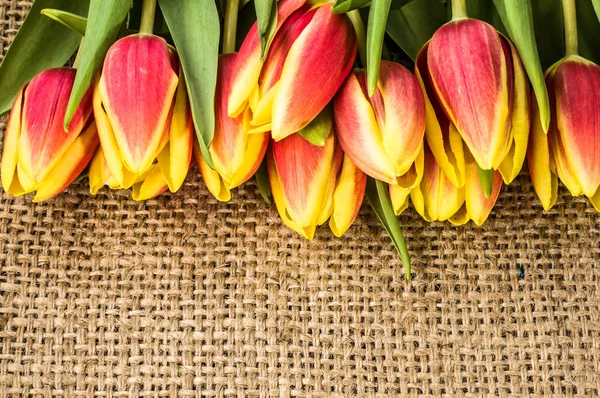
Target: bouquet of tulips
(439, 101)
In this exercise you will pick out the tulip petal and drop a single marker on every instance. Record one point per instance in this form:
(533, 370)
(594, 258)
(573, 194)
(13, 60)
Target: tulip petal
(43, 141)
(348, 197)
(315, 68)
(520, 123)
(577, 88)
(442, 137)
(541, 168)
(469, 72)
(8, 169)
(69, 166)
(478, 206)
(214, 182)
(248, 64)
(137, 87)
(303, 171)
(358, 131)
(399, 197)
(152, 185)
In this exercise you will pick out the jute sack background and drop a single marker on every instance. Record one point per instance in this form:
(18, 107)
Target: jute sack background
(184, 296)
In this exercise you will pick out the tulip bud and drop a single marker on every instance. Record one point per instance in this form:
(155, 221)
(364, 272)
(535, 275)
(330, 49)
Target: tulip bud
(383, 135)
(311, 184)
(143, 116)
(571, 149)
(477, 79)
(311, 54)
(436, 198)
(236, 154)
(38, 154)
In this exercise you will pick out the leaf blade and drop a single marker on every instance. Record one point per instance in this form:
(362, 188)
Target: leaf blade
(41, 43)
(194, 25)
(105, 20)
(378, 15)
(72, 21)
(266, 17)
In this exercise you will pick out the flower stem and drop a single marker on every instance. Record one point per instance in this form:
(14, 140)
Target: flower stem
(229, 30)
(570, 22)
(459, 9)
(361, 35)
(147, 20)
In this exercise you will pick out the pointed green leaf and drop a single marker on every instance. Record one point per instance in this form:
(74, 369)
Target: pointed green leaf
(517, 17)
(413, 25)
(194, 25)
(596, 4)
(262, 181)
(266, 16)
(40, 44)
(379, 197)
(319, 128)
(486, 180)
(74, 22)
(378, 15)
(344, 6)
(105, 20)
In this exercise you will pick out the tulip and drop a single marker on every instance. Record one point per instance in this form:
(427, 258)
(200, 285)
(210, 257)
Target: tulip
(143, 116)
(436, 198)
(472, 76)
(383, 135)
(311, 54)
(235, 153)
(38, 154)
(571, 149)
(311, 184)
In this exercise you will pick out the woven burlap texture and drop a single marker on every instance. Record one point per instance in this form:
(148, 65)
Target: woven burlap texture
(185, 296)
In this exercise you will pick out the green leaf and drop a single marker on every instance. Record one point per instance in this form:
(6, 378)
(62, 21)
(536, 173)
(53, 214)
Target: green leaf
(262, 180)
(74, 22)
(596, 4)
(40, 44)
(517, 16)
(588, 30)
(319, 128)
(105, 20)
(396, 4)
(413, 25)
(266, 15)
(378, 15)
(194, 25)
(344, 6)
(486, 180)
(379, 197)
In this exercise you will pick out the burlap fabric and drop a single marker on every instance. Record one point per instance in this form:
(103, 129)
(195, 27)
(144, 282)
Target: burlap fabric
(184, 296)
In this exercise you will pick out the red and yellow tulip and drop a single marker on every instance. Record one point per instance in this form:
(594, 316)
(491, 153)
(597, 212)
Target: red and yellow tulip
(475, 88)
(311, 54)
(311, 184)
(383, 134)
(144, 120)
(571, 149)
(436, 198)
(236, 154)
(38, 154)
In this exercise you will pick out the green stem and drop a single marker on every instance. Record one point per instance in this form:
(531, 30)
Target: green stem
(459, 9)
(148, 12)
(229, 30)
(361, 35)
(486, 179)
(570, 22)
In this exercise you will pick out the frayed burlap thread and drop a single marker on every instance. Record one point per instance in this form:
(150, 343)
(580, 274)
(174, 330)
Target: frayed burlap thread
(182, 296)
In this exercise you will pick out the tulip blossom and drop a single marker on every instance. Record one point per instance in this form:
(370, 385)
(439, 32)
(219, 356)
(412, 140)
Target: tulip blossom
(38, 154)
(571, 149)
(383, 135)
(476, 89)
(311, 184)
(236, 154)
(436, 198)
(143, 117)
(311, 54)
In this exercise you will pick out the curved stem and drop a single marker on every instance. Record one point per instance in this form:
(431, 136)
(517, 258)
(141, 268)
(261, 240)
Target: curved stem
(361, 35)
(230, 28)
(459, 9)
(570, 23)
(147, 20)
